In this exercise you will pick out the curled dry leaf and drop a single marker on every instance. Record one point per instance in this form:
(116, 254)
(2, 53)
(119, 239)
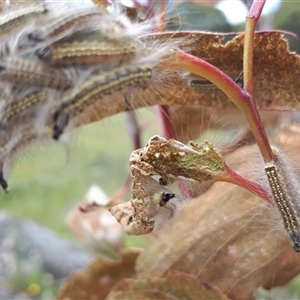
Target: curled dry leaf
(176, 285)
(97, 279)
(172, 158)
(150, 207)
(229, 237)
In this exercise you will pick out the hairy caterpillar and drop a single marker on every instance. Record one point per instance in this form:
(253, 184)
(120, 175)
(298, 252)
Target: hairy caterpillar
(205, 84)
(285, 205)
(284, 184)
(15, 24)
(67, 93)
(20, 107)
(87, 53)
(20, 70)
(13, 19)
(95, 88)
(70, 20)
(67, 24)
(18, 140)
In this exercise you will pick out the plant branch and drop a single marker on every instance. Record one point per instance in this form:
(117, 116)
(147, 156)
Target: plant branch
(251, 113)
(233, 177)
(239, 97)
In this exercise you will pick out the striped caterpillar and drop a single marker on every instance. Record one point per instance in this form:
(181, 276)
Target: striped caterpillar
(36, 94)
(18, 70)
(94, 52)
(284, 188)
(94, 89)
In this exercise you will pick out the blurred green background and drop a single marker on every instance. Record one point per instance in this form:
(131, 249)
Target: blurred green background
(48, 181)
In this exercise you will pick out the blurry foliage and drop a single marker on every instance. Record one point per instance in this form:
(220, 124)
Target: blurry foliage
(194, 16)
(288, 18)
(54, 178)
(37, 285)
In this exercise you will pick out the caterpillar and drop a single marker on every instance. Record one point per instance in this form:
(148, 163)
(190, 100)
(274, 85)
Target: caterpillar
(67, 24)
(19, 70)
(285, 205)
(20, 107)
(93, 52)
(95, 88)
(12, 19)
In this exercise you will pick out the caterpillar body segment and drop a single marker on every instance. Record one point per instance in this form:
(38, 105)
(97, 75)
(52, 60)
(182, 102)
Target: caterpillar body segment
(18, 70)
(15, 112)
(15, 24)
(15, 142)
(13, 19)
(66, 25)
(3, 182)
(78, 53)
(96, 88)
(285, 205)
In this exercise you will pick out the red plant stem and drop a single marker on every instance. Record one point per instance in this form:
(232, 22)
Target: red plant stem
(239, 97)
(251, 21)
(256, 9)
(164, 114)
(251, 113)
(255, 188)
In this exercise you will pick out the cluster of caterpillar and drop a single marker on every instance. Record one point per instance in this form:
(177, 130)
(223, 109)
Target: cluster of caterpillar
(62, 66)
(65, 65)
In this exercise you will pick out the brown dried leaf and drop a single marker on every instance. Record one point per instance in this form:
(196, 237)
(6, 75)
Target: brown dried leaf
(146, 210)
(276, 70)
(152, 205)
(228, 237)
(172, 158)
(97, 279)
(176, 285)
